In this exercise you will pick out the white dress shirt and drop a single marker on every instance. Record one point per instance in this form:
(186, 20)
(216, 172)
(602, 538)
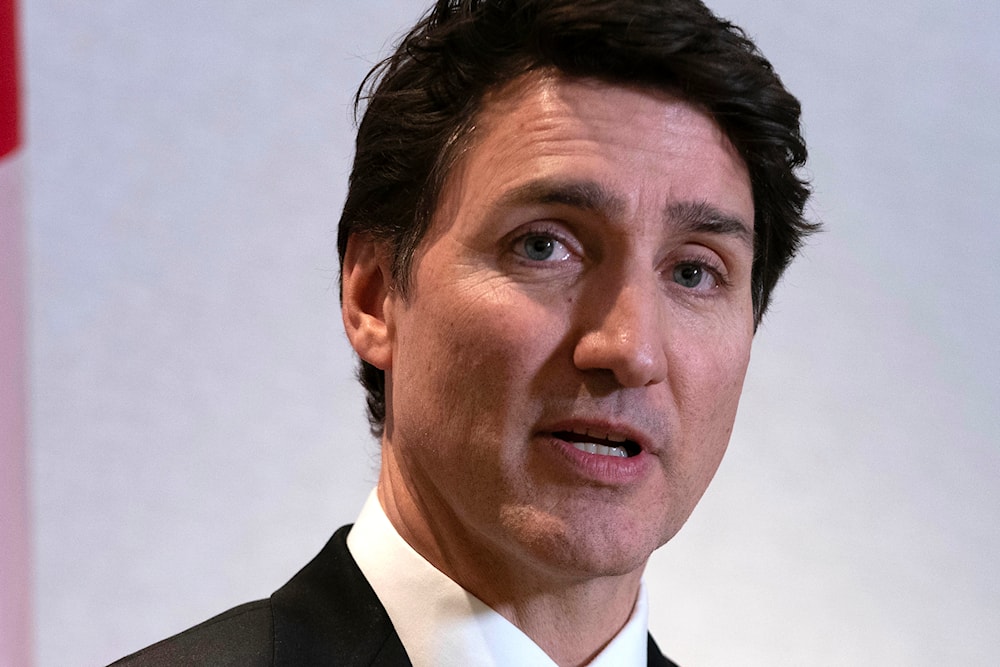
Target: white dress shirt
(440, 624)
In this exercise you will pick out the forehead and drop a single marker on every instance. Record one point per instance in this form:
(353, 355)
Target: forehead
(638, 143)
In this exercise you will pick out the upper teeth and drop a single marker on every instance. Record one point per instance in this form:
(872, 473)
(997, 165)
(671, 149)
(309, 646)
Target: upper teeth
(594, 448)
(600, 435)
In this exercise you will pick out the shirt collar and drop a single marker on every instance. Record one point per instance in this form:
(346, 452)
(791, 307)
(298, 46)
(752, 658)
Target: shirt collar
(441, 624)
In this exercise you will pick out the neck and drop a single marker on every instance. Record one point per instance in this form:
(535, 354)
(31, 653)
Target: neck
(571, 616)
(572, 624)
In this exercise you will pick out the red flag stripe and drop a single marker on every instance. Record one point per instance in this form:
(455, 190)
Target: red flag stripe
(10, 127)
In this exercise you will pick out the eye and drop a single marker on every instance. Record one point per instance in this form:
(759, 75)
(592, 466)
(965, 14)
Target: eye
(541, 248)
(694, 275)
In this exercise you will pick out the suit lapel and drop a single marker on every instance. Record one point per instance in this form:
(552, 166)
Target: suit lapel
(654, 657)
(328, 614)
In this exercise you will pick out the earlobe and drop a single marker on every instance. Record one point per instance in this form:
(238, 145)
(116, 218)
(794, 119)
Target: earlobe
(366, 287)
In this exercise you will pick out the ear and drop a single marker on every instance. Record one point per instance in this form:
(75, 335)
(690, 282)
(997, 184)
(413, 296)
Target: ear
(366, 289)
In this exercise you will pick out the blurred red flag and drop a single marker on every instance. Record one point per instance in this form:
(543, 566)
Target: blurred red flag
(15, 588)
(9, 125)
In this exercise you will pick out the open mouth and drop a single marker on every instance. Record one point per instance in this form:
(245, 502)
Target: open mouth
(608, 444)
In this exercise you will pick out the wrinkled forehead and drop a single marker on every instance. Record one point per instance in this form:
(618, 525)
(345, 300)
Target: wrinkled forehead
(542, 87)
(541, 116)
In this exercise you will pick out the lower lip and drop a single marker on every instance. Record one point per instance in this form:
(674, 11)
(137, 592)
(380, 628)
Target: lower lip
(597, 468)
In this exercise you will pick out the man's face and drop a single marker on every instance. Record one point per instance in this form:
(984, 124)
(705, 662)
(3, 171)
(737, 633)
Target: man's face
(567, 360)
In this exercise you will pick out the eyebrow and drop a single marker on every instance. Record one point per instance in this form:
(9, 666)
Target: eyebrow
(702, 217)
(688, 216)
(583, 195)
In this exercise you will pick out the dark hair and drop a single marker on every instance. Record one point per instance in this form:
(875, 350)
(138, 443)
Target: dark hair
(423, 99)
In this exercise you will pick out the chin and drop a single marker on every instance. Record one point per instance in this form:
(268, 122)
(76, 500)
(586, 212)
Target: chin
(588, 548)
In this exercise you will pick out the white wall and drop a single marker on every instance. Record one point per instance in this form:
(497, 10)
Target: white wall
(197, 433)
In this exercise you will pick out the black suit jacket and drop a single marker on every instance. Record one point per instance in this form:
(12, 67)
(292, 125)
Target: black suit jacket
(326, 615)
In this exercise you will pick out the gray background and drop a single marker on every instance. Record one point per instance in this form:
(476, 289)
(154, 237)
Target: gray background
(196, 432)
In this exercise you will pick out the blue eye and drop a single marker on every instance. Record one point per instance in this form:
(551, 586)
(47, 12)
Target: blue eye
(693, 276)
(539, 247)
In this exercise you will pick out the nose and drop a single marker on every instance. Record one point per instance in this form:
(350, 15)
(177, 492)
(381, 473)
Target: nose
(626, 337)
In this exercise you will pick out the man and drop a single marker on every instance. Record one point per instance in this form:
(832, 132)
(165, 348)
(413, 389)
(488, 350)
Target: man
(564, 223)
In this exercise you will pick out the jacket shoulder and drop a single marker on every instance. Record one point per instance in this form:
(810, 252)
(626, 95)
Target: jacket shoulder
(242, 636)
(326, 615)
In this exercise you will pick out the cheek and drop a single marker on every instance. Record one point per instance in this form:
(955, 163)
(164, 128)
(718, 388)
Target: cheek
(707, 383)
(707, 399)
(469, 351)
